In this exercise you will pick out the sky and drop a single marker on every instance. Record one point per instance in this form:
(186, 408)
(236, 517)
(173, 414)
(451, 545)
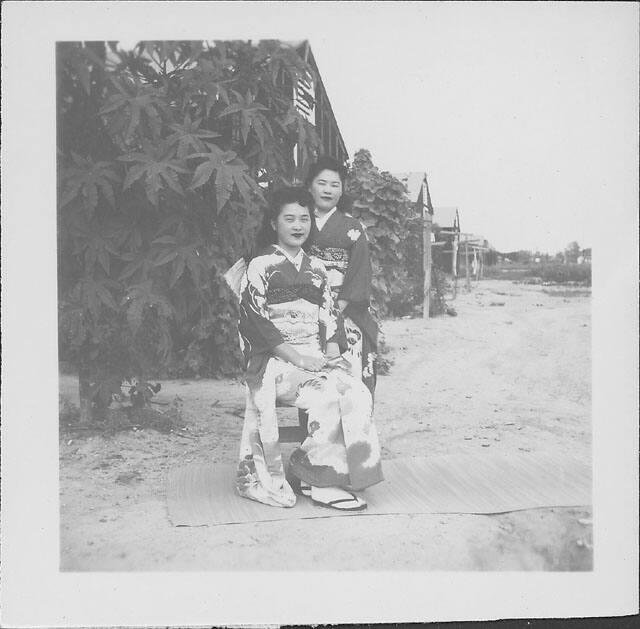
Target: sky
(523, 115)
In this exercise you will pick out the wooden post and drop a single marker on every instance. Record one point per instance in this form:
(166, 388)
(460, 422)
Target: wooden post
(476, 259)
(466, 266)
(84, 391)
(426, 261)
(481, 269)
(454, 264)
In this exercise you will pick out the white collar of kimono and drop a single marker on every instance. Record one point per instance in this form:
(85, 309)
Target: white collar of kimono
(295, 260)
(321, 219)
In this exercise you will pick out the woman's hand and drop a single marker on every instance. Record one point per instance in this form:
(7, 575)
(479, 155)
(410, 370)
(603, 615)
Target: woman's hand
(342, 304)
(333, 351)
(311, 363)
(286, 352)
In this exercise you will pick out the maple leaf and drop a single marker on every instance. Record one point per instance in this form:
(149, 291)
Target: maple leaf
(250, 116)
(94, 293)
(75, 58)
(163, 50)
(139, 265)
(147, 103)
(206, 83)
(142, 296)
(215, 157)
(294, 123)
(280, 58)
(96, 242)
(157, 167)
(189, 137)
(86, 180)
(230, 171)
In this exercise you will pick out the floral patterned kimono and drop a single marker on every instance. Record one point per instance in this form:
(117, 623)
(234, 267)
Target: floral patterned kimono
(343, 247)
(284, 303)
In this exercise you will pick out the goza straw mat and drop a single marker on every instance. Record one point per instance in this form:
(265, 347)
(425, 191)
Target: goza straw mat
(205, 494)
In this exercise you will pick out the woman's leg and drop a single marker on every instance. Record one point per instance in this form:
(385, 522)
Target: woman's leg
(359, 432)
(260, 474)
(342, 448)
(360, 354)
(354, 346)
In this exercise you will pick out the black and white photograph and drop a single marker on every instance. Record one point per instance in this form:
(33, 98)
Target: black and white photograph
(328, 301)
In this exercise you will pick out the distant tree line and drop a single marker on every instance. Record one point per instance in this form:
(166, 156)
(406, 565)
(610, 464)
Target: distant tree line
(571, 254)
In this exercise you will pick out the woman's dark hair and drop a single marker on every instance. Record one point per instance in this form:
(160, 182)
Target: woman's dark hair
(284, 196)
(328, 163)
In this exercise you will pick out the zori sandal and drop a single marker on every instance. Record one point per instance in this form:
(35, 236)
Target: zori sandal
(300, 487)
(305, 489)
(343, 504)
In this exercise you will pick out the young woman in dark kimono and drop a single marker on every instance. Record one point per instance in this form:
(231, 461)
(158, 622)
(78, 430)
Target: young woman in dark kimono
(340, 241)
(292, 344)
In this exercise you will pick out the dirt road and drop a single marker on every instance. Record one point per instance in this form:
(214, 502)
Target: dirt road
(510, 372)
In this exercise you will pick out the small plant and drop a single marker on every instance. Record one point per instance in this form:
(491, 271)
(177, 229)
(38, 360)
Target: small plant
(68, 412)
(383, 363)
(566, 273)
(439, 287)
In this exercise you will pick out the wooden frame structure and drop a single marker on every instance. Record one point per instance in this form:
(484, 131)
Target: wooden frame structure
(477, 245)
(448, 219)
(417, 187)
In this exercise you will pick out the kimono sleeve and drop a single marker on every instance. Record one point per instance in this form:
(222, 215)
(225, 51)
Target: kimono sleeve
(330, 318)
(356, 286)
(259, 334)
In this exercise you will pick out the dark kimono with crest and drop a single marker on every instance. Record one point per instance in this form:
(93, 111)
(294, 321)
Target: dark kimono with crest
(343, 247)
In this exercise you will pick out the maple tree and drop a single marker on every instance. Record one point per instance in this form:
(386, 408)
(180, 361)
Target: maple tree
(164, 156)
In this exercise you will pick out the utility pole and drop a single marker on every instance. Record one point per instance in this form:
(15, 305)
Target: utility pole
(426, 260)
(454, 264)
(466, 266)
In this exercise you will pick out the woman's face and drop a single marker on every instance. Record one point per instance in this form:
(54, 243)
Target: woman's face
(292, 226)
(326, 190)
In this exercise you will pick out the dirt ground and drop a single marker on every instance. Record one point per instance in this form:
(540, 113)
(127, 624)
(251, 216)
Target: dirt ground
(510, 372)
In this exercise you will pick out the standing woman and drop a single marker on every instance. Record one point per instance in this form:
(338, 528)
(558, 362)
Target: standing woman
(339, 240)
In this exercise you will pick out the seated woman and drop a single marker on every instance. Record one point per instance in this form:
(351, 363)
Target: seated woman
(291, 337)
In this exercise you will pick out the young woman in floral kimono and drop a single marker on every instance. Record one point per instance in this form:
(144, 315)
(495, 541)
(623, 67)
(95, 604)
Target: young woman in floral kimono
(340, 241)
(292, 338)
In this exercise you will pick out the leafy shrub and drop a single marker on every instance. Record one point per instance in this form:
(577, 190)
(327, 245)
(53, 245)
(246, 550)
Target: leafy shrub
(68, 412)
(383, 362)
(379, 200)
(556, 272)
(440, 285)
(164, 153)
(563, 273)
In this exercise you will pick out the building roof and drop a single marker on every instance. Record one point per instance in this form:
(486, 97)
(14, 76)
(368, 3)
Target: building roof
(446, 217)
(413, 182)
(475, 238)
(304, 50)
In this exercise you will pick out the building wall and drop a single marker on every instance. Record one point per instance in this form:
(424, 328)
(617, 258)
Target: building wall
(325, 122)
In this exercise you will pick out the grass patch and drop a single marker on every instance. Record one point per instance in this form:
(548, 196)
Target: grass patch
(163, 418)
